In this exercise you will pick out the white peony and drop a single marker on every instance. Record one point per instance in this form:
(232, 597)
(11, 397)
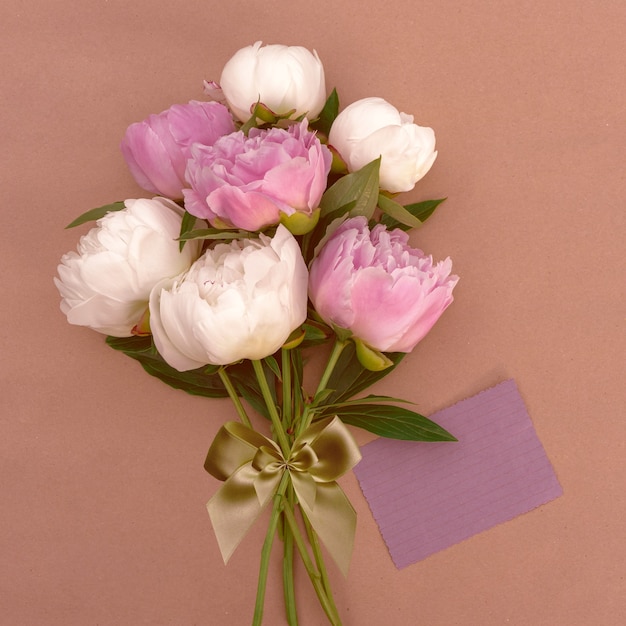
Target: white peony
(372, 127)
(280, 77)
(239, 300)
(106, 284)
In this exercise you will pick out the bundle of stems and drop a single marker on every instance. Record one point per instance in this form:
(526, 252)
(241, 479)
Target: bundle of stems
(290, 417)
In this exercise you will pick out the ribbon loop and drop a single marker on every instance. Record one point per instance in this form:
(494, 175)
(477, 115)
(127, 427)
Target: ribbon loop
(264, 456)
(252, 466)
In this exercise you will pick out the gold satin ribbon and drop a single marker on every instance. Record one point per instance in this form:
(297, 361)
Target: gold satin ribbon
(252, 467)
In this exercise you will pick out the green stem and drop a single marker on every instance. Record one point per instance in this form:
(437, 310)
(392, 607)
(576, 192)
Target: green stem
(288, 578)
(307, 414)
(288, 416)
(330, 365)
(225, 378)
(316, 579)
(287, 406)
(271, 407)
(319, 558)
(267, 549)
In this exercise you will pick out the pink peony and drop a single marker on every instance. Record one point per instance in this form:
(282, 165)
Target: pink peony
(156, 150)
(375, 285)
(248, 182)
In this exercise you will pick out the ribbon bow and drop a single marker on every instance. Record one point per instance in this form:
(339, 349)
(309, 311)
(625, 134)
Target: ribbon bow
(252, 467)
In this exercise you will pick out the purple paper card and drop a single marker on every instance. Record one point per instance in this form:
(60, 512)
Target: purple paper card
(428, 496)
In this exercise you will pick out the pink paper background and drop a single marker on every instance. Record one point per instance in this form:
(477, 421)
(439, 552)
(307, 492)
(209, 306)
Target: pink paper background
(103, 491)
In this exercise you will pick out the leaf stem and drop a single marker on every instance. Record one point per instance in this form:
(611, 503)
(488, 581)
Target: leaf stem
(225, 378)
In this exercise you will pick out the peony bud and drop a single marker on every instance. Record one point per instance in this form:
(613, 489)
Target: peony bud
(372, 127)
(286, 79)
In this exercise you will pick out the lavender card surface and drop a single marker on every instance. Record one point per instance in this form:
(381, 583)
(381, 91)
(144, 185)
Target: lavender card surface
(428, 496)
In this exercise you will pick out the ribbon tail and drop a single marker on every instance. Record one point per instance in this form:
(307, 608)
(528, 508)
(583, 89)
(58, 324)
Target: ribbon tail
(234, 508)
(334, 519)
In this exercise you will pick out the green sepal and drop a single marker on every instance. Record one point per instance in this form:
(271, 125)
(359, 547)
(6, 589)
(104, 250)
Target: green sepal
(419, 210)
(300, 223)
(265, 114)
(338, 167)
(96, 214)
(370, 358)
(267, 117)
(295, 339)
(343, 334)
(393, 422)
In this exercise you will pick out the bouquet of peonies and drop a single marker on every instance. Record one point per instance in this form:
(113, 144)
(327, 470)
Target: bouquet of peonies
(274, 232)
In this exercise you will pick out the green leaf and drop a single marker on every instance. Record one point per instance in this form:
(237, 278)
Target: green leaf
(203, 381)
(253, 397)
(195, 382)
(214, 233)
(397, 212)
(130, 344)
(321, 396)
(394, 422)
(272, 363)
(360, 188)
(96, 214)
(297, 367)
(369, 399)
(248, 386)
(315, 333)
(420, 210)
(186, 226)
(328, 114)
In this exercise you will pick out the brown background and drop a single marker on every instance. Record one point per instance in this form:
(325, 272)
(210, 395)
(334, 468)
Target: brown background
(102, 486)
